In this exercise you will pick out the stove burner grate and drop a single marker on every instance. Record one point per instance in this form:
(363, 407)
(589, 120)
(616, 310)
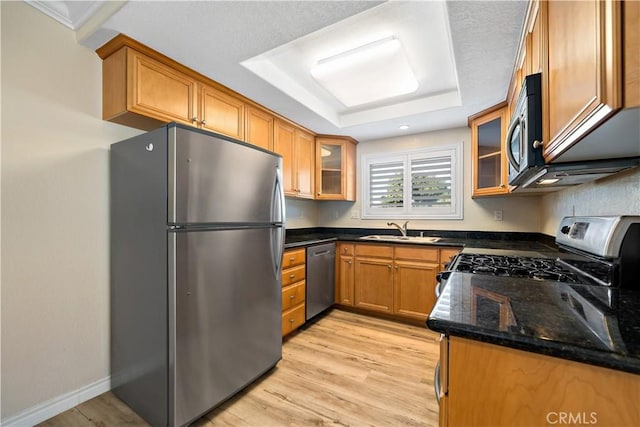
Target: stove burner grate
(525, 267)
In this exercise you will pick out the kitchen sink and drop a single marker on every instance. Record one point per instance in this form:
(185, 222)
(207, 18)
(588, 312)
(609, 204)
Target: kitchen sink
(391, 238)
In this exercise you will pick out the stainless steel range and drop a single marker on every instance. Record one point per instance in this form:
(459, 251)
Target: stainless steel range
(594, 251)
(599, 258)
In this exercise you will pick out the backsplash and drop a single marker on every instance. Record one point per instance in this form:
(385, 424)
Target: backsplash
(615, 195)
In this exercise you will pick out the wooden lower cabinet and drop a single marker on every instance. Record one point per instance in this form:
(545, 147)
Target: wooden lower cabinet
(392, 279)
(491, 385)
(293, 290)
(414, 284)
(345, 275)
(374, 284)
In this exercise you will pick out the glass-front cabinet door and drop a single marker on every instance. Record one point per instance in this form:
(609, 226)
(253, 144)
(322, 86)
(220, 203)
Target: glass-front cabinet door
(335, 168)
(487, 146)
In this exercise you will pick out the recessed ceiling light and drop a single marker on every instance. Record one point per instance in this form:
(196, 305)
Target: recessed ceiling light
(372, 72)
(404, 127)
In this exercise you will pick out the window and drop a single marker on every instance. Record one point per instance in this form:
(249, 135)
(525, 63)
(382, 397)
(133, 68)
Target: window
(417, 184)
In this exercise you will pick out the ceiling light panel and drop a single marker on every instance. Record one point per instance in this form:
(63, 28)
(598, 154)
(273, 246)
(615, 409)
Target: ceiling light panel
(376, 71)
(420, 31)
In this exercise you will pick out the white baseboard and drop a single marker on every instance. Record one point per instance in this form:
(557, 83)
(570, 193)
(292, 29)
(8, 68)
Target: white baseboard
(57, 405)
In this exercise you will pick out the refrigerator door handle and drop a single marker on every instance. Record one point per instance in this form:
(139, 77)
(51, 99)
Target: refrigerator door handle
(278, 215)
(277, 202)
(277, 250)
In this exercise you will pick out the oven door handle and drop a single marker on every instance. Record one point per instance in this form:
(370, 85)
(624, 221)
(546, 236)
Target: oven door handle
(507, 143)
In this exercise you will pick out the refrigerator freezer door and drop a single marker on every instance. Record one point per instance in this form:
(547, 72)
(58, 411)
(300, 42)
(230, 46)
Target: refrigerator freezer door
(226, 306)
(216, 180)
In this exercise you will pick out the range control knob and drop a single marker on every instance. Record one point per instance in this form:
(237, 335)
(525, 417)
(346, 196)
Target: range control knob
(565, 229)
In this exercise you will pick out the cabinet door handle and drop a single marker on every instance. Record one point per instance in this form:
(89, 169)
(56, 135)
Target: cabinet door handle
(350, 262)
(396, 267)
(389, 266)
(537, 144)
(194, 119)
(204, 122)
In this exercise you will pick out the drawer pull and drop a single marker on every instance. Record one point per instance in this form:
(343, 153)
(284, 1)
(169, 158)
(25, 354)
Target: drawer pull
(292, 297)
(292, 321)
(292, 276)
(292, 259)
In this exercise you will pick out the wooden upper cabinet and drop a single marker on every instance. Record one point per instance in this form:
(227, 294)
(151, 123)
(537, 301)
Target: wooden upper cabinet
(144, 93)
(488, 130)
(631, 12)
(259, 127)
(305, 163)
(335, 168)
(584, 70)
(297, 148)
(284, 144)
(220, 112)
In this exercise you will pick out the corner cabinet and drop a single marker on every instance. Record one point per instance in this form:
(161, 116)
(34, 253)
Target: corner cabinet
(488, 129)
(335, 168)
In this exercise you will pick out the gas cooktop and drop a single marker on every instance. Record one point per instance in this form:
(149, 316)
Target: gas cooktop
(511, 266)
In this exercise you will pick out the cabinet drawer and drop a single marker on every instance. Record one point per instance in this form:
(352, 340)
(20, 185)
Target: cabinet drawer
(447, 254)
(293, 257)
(416, 253)
(293, 295)
(380, 251)
(292, 275)
(292, 319)
(345, 249)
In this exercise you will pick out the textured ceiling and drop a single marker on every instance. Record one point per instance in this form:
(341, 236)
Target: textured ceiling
(214, 37)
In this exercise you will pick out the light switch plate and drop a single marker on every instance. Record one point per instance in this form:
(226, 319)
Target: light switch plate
(497, 215)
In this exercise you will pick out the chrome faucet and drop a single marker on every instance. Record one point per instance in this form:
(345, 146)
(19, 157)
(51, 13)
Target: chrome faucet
(403, 228)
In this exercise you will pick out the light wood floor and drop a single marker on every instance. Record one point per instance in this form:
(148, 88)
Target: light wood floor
(345, 369)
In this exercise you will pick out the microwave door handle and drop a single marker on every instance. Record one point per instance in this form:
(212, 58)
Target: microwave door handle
(507, 143)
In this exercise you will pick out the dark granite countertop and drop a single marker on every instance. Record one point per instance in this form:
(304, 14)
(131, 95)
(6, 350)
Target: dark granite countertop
(543, 317)
(478, 239)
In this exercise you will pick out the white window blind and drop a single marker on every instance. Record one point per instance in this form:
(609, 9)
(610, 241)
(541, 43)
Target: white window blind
(431, 182)
(424, 183)
(386, 184)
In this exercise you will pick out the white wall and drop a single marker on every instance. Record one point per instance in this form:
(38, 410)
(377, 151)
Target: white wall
(519, 213)
(55, 225)
(615, 195)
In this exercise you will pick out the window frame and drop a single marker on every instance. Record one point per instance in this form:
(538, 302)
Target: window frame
(454, 212)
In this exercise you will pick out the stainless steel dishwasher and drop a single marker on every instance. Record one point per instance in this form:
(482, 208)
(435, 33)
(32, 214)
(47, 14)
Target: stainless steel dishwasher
(320, 278)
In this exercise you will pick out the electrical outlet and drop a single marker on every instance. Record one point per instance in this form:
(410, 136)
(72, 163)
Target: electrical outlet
(497, 215)
(354, 214)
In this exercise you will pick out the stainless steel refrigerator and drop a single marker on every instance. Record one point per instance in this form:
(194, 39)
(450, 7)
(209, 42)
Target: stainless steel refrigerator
(197, 234)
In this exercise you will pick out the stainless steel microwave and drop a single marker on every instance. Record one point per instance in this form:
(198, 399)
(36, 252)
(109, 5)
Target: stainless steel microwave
(523, 141)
